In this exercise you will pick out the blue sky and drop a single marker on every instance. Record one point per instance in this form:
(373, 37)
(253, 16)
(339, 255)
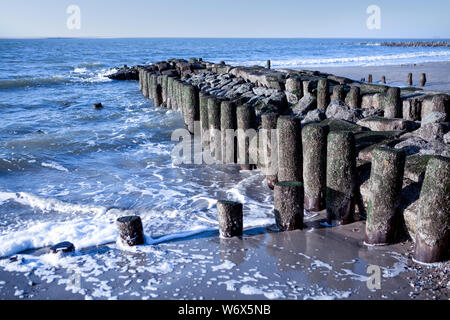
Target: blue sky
(230, 18)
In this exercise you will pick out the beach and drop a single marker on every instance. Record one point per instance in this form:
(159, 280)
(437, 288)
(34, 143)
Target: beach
(438, 75)
(81, 148)
(314, 263)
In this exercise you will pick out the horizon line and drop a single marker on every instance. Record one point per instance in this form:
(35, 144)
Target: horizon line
(173, 37)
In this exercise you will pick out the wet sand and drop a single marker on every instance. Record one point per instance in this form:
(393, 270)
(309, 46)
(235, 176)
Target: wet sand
(314, 263)
(438, 74)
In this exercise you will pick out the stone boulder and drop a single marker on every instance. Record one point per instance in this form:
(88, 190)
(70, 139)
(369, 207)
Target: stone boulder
(306, 104)
(315, 115)
(432, 131)
(433, 117)
(339, 110)
(438, 102)
(385, 124)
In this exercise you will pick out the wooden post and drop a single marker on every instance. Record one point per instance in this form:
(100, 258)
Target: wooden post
(131, 231)
(230, 218)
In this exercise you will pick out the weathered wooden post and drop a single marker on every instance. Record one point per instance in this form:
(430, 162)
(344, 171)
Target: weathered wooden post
(230, 218)
(145, 88)
(410, 79)
(214, 105)
(228, 127)
(383, 212)
(157, 94)
(246, 134)
(170, 103)
(141, 78)
(338, 93)
(433, 217)
(353, 98)
(191, 109)
(393, 103)
(341, 177)
(423, 79)
(203, 104)
(269, 148)
(383, 79)
(131, 231)
(314, 137)
(164, 84)
(288, 205)
(290, 165)
(370, 79)
(268, 64)
(323, 94)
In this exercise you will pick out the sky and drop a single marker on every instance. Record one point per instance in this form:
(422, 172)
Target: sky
(228, 18)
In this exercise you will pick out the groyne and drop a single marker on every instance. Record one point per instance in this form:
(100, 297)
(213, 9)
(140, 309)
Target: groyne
(375, 149)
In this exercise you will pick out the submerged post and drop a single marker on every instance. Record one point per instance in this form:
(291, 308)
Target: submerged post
(433, 217)
(423, 79)
(290, 166)
(314, 137)
(410, 79)
(341, 177)
(288, 205)
(383, 212)
(131, 231)
(230, 218)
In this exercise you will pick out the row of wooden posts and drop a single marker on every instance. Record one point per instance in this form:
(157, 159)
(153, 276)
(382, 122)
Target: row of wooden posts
(316, 171)
(409, 81)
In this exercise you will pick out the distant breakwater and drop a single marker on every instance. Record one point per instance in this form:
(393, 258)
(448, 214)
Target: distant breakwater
(411, 43)
(356, 149)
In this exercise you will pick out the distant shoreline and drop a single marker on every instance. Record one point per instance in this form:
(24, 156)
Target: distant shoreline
(438, 74)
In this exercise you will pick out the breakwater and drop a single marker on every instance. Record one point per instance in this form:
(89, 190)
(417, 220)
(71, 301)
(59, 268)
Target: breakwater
(359, 150)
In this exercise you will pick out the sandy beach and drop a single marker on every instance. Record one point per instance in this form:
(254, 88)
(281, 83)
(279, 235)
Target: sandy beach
(314, 263)
(438, 74)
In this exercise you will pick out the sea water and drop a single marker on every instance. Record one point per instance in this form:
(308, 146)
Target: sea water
(67, 171)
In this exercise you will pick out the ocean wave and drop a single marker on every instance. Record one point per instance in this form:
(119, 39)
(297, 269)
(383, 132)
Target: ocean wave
(33, 82)
(49, 204)
(359, 60)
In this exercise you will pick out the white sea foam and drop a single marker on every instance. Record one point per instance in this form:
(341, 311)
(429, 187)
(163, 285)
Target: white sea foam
(54, 165)
(226, 265)
(355, 60)
(269, 294)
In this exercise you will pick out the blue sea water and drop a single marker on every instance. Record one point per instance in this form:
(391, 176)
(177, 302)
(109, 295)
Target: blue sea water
(67, 170)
